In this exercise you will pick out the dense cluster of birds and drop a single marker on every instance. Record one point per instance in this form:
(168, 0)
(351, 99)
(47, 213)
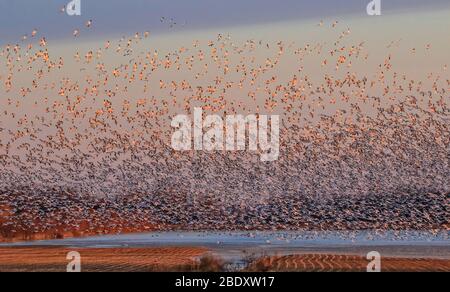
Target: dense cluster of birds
(85, 140)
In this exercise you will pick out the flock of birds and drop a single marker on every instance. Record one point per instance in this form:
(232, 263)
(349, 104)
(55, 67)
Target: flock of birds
(85, 139)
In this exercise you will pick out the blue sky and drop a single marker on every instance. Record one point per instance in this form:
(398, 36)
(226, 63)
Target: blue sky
(19, 17)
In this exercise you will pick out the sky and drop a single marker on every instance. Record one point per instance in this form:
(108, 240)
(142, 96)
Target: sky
(413, 22)
(405, 25)
(111, 17)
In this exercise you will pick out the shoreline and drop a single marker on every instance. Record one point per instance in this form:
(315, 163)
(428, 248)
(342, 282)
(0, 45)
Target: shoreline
(198, 259)
(75, 235)
(270, 251)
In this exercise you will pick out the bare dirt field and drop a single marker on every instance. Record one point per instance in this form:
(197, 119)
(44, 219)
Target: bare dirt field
(345, 263)
(53, 259)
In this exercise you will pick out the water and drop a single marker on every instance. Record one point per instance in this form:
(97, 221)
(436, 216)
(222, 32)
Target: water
(235, 246)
